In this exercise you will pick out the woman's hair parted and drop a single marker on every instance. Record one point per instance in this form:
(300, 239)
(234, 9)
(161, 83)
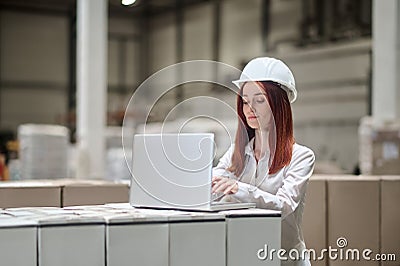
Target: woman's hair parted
(281, 154)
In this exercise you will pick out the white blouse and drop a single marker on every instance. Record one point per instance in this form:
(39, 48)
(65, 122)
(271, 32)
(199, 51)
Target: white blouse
(284, 191)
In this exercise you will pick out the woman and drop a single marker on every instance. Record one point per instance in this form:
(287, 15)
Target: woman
(265, 165)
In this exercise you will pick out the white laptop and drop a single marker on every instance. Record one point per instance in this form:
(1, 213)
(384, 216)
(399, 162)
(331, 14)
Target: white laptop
(174, 171)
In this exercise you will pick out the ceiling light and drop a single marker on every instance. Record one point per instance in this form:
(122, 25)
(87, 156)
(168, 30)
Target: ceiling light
(128, 2)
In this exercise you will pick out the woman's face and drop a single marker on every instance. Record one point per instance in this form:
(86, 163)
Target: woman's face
(256, 107)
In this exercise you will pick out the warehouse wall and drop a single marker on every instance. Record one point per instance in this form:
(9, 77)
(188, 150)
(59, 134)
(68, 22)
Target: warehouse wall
(33, 68)
(123, 63)
(333, 96)
(198, 32)
(284, 29)
(162, 42)
(240, 31)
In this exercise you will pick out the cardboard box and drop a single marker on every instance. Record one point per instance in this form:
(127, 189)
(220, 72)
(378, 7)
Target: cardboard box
(315, 217)
(390, 217)
(353, 216)
(250, 235)
(65, 240)
(197, 239)
(93, 192)
(17, 241)
(379, 146)
(136, 239)
(29, 194)
(59, 193)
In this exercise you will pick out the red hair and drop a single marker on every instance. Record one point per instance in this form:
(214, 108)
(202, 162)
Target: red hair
(284, 139)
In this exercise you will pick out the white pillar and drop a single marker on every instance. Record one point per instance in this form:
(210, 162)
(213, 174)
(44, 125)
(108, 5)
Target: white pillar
(386, 59)
(91, 87)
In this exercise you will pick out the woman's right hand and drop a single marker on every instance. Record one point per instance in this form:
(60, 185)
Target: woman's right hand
(224, 184)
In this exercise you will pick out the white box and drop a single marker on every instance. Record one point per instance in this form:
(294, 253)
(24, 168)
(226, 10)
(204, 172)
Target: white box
(251, 234)
(17, 241)
(197, 239)
(136, 239)
(65, 240)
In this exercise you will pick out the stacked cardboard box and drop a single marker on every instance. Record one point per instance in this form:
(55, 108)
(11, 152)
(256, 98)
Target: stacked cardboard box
(315, 217)
(92, 192)
(360, 210)
(17, 236)
(63, 238)
(29, 194)
(43, 151)
(63, 192)
(353, 216)
(118, 234)
(197, 239)
(379, 147)
(390, 218)
(251, 236)
(137, 239)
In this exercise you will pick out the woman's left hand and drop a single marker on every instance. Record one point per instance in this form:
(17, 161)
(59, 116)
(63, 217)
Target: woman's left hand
(224, 184)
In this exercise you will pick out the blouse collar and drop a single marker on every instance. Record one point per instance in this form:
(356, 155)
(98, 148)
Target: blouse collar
(249, 147)
(249, 150)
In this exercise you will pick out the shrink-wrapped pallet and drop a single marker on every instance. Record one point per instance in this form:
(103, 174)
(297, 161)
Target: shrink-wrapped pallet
(379, 146)
(43, 151)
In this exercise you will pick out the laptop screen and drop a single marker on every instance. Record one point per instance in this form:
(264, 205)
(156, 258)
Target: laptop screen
(172, 170)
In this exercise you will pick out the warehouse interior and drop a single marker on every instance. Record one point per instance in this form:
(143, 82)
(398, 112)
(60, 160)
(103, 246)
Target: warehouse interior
(331, 59)
(70, 69)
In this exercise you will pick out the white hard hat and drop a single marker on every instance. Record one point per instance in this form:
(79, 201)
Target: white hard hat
(269, 69)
